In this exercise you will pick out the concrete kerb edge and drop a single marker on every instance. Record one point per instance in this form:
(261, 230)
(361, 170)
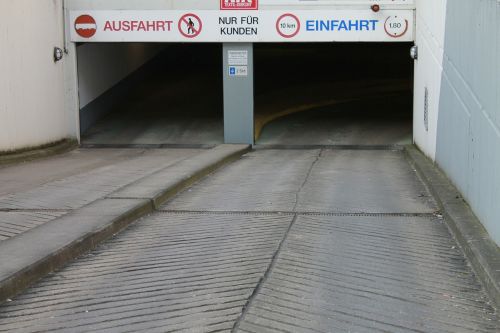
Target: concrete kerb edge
(25, 277)
(202, 172)
(61, 147)
(480, 260)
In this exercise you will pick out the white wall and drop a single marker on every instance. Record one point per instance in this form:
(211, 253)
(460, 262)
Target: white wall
(39, 98)
(459, 62)
(468, 137)
(101, 66)
(431, 18)
(32, 86)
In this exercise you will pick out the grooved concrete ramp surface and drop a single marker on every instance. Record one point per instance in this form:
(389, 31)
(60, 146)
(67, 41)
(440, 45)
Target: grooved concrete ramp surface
(313, 180)
(280, 241)
(170, 272)
(369, 274)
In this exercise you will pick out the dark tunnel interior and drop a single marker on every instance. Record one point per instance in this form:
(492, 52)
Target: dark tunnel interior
(333, 93)
(305, 93)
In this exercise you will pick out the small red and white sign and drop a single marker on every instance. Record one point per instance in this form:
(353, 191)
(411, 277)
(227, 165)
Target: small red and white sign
(239, 4)
(85, 26)
(396, 26)
(190, 25)
(288, 25)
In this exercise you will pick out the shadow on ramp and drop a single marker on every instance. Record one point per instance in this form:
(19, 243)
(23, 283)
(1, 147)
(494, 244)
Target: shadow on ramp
(382, 121)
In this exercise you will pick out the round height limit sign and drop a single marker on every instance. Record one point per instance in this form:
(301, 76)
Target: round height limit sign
(288, 25)
(396, 26)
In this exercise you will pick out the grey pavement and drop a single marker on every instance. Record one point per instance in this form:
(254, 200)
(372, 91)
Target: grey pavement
(370, 274)
(279, 241)
(36, 192)
(353, 181)
(32, 254)
(180, 272)
(25, 176)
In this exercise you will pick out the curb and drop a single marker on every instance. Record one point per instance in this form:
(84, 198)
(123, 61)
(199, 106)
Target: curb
(197, 175)
(26, 259)
(481, 251)
(25, 273)
(60, 147)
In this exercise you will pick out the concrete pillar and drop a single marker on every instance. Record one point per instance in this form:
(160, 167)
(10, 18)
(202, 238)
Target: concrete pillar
(238, 93)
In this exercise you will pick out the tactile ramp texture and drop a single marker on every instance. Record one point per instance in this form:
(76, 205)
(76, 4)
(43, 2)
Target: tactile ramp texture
(15, 223)
(76, 191)
(165, 273)
(370, 274)
(353, 181)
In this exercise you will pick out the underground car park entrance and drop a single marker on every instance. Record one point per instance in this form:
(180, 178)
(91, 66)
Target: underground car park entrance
(330, 224)
(259, 73)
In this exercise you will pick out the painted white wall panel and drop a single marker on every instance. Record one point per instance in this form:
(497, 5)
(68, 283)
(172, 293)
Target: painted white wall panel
(468, 136)
(32, 91)
(101, 66)
(431, 17)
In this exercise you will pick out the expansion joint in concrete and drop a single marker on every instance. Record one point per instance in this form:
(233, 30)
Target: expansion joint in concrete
(264, 278)
(306, 178)
(436, 214)
(33, 210)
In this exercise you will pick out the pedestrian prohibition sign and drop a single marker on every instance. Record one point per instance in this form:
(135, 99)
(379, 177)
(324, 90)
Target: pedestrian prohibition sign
(288, 25)
(190, 25)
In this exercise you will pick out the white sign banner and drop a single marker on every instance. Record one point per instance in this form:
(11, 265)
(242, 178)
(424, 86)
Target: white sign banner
(242, 26)
(237, 57)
